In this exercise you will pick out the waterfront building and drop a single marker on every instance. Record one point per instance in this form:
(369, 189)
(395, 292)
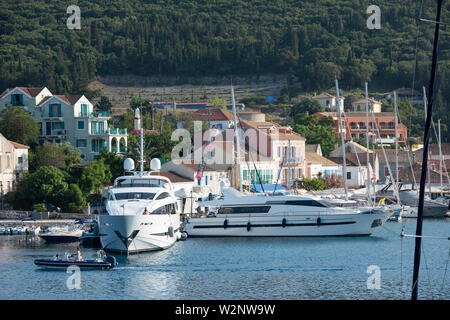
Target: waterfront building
(13, 164)
(360, 105)
(280, 146)
(329, 101)
(217, 118)
(355, 126)
(315, 148)
(356, 168)
(404, 161)
(68, 118)
(317, 164)
(209, 182)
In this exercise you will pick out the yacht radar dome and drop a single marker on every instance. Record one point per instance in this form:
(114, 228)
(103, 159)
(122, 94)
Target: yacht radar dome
(128, 164)
(155, 164)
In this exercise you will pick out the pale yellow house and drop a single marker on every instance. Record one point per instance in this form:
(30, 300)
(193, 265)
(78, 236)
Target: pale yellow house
(13, 163)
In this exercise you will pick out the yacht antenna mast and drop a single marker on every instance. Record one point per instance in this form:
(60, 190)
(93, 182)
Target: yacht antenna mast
(142, 145)
(418, 240)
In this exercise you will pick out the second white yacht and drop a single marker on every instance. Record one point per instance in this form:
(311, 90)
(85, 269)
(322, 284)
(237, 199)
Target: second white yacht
(292, 216)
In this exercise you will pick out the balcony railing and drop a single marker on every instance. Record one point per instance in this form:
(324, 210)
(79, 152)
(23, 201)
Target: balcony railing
(117, 130)
(61, 133)
(96, 114)
(293, 160)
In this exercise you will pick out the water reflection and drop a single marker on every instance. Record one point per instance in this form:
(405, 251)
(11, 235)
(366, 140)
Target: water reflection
(240, 268)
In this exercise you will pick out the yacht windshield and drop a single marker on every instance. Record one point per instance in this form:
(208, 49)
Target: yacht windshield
(134, 195)
(155, 183)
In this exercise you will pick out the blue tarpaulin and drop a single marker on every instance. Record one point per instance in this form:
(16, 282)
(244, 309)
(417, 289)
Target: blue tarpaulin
(268, 188)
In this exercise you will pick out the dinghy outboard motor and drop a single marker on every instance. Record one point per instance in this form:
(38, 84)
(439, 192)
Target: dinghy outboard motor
(112, 260)
(171, 232)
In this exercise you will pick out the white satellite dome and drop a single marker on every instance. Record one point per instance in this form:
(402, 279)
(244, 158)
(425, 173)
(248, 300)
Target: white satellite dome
(155, 164)
(128, 164)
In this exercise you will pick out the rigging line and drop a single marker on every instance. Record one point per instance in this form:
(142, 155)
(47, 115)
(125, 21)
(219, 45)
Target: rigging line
(351, 139)
(401, 266)
(437, 139)
(250, 154)
(407, 152)
(429, 237)
(445, 271)
(396, 193)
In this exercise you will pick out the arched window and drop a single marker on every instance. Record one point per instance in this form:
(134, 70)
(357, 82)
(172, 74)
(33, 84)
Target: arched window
(114, 147)
(122, 145)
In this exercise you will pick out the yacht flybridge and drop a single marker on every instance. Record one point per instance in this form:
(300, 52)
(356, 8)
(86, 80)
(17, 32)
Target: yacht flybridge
(142, 211)
(285, 215)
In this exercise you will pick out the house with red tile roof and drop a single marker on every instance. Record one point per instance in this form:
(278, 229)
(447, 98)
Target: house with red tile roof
(316, 164)
(68, 118)
(329, 101)
(383, 127)
(13, 163)
(217, 118)
(26, 97)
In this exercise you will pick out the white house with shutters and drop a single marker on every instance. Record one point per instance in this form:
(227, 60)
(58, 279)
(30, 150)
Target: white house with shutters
(68, 118)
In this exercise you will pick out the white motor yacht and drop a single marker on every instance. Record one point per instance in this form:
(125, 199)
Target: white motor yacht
(143, 213)
(282, 215)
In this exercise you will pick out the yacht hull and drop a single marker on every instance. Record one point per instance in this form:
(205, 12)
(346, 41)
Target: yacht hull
(292, 225)
(138, 233)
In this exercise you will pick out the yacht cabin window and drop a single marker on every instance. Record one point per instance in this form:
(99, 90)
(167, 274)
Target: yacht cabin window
(134, 195)
(253, 209)
(162, 196)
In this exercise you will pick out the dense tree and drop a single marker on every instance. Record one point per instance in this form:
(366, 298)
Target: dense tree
(218, 103)
(104, 104)
(155, 146)
(94, 176)
(18, 125)
(313, 40)
(59, 156)
(46, 184)
(316, 130)
(307, 105)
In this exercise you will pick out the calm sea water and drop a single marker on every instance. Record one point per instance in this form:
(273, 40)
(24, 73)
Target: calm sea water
(240, 268)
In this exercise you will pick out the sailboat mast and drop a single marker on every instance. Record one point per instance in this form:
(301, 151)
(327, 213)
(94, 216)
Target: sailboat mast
(428, 167)
(367, 144)
(237, 136)
(396, 139)
(418, 240)
(344, 167)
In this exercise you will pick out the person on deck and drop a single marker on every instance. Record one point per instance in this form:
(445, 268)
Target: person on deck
(55, 257)
(145, 211)
(79, 257)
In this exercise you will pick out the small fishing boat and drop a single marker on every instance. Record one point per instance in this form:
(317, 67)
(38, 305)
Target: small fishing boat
(102, 262)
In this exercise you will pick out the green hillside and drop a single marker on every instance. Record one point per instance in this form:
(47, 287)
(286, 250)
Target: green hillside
(313, 40)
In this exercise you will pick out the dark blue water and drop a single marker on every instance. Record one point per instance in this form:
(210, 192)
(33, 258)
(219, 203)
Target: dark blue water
(240, 268)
